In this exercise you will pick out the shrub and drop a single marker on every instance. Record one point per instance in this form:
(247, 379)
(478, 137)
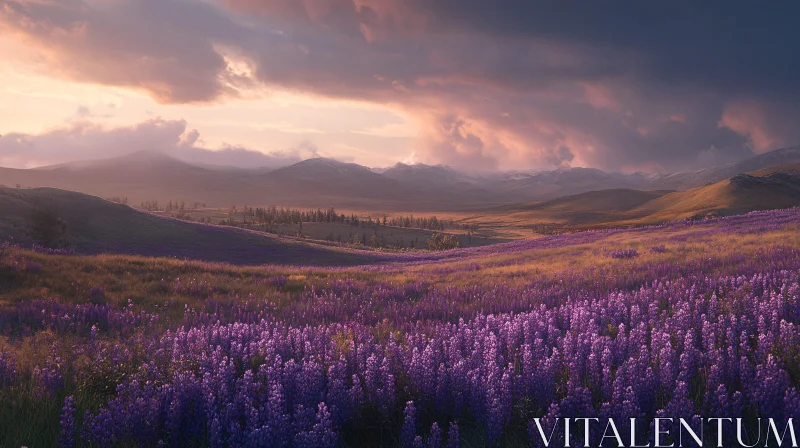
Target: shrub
(442, 241)
(47, 228)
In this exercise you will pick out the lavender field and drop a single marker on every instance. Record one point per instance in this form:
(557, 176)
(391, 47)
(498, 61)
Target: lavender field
(464, 348)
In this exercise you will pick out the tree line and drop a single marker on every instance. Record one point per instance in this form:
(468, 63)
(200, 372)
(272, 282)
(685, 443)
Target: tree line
(274, 215)
(154, 206)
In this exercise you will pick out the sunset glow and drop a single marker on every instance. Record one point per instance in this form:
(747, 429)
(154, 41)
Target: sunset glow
(376, 82)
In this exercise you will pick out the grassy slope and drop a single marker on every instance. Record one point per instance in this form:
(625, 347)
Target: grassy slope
(623, 207)
(142, 279)
(775, 169)
(585, 208)
(96, 225)
(728, 197)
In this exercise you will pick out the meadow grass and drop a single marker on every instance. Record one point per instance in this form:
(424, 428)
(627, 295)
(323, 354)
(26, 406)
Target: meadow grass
(49, 304)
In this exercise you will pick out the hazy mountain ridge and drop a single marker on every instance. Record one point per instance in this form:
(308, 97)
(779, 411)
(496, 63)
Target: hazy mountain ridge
(321, 182)
(684, 181)
(433, 174)
(96, 225)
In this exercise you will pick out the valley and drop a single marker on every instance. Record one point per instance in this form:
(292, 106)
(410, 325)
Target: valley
(230, 233)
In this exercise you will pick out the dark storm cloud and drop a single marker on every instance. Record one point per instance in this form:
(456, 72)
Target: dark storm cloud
(732, 46)
(631, 85)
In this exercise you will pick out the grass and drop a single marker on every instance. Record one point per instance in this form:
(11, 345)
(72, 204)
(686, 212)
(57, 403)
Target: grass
(99, 226)
(168, 285)
(148, 280)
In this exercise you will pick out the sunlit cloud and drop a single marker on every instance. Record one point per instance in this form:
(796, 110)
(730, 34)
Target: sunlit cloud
(391, 130)
(751, 120)
(477, 85)
(83, 140)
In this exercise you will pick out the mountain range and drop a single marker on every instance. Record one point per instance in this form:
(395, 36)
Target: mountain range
(322, 182)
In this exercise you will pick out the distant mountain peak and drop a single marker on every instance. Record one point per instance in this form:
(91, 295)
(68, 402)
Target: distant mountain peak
(319, 160)
(326, 162)
(136, 158)
(146, 158)
(147, 154)
(322, 167)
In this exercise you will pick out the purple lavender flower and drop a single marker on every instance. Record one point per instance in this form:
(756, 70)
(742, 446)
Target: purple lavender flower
(710, 336)
(453, 437)
(66, 438)
(435, 437)
(409, 432)
(624, 253)
(322, 434)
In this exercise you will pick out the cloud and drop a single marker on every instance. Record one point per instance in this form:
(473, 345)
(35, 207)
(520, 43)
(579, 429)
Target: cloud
(766, 125)
(87, 141)
(85, 113)
(457, 143)
(163, 48)
(507, 84)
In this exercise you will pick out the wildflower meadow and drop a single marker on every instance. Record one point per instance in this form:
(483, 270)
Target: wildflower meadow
(475, 347)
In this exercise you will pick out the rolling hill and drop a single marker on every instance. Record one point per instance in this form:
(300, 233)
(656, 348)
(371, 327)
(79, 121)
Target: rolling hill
(141, 176)
(98, 226)
(564, 182)
(740, 194)
(583, 209)
(772, 188)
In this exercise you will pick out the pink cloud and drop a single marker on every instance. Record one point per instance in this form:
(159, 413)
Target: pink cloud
(600, 97)
(678, 118)
(522, 86)
(121, 45)
(84, 140)
(750, 119)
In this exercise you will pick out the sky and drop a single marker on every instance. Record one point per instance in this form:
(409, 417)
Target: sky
(474, 84)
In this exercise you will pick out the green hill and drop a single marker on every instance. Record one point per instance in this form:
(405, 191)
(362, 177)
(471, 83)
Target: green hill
(94, 225)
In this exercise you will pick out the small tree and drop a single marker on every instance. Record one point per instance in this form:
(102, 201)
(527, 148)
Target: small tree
(47, 228)
(442, 241)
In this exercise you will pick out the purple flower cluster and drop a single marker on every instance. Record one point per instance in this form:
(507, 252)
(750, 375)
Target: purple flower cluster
(279, 281)
(67, 433)
(48, 378)
(672, 349)
(715, 336)
(623, 253)
(66, 318)
(51, 251)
